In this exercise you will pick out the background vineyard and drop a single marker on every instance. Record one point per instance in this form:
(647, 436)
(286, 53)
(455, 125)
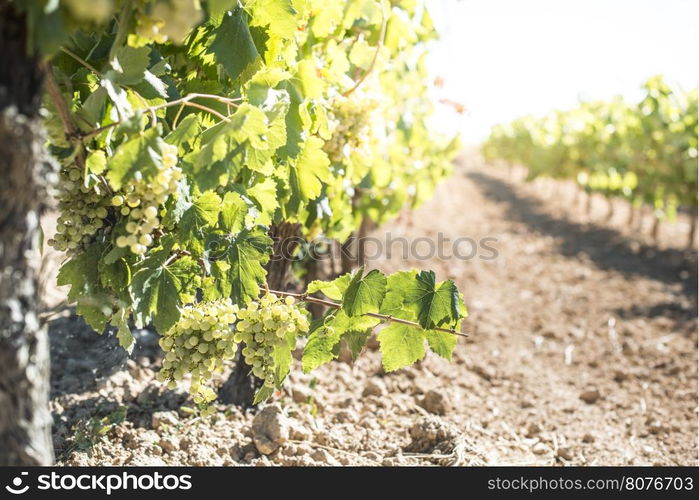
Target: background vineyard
(644, 152)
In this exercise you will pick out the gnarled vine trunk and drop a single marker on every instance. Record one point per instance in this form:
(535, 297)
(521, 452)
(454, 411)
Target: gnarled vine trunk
(241, 386)
(25, 422)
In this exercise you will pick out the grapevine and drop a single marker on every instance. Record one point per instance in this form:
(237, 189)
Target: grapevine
(187, 131)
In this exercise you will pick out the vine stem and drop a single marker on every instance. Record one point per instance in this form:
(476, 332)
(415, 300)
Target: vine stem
(382, 36)
(80, 60)
(385, 317)
(69, 126)
(175, 256)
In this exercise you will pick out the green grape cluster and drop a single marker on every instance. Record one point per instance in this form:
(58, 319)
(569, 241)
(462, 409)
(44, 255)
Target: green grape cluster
(350, 122)
(140, 202)
(167, 20)
(199, 343)
(264, 325)
(83, 209)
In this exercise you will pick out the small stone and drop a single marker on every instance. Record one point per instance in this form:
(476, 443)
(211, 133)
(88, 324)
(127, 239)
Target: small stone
(270, 429)
(301, 393)
(169, 443)
(164, 419)
(532, 430)
(588, 438)
(485, 372)
(565, 453)
(374, 387)
(346, 416)
(436, 401)
(540, 448)
(324, 457)
(620, 376)
(590, 396)
(656, 427)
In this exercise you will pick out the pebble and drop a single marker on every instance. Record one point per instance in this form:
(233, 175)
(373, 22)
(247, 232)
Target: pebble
(169, 443)
(436, 401)
(565, 453)
(532, 430)
(164, 419)
(301, 393)
(270, 429)
(540, 449)
(374, 387)
(590, 396)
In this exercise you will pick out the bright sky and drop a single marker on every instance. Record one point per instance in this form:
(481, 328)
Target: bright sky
(508, 58)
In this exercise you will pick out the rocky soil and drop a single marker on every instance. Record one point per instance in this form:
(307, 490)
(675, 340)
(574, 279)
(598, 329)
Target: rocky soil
(582, 351)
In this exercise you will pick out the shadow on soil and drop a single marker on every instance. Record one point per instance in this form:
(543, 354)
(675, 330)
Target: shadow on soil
(81, 358)
(606, 248)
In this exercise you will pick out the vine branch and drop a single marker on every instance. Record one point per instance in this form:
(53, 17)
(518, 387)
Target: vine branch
(80, 60)
(384, 317)
(379, 46)
(69, 126)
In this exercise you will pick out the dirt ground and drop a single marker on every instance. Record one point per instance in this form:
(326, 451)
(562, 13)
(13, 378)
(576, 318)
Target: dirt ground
(582, 351)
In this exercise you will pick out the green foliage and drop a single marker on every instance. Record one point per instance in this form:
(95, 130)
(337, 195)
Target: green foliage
(645, 152)
(404, 296)
(201, 125)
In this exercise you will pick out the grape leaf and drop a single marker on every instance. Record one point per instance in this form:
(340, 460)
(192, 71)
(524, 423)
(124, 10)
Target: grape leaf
(334, 289)
(203, 212)
(262, 394)
(246, 255)
(217, 285)
(323, 343)
(129, 64)
(124, 335)
(400, 346)
(265, 196)
(282, 358)
(96, 162)
(396, 286)
(321, 348)
(435, 305)
(233, 45)
(311, 82)
(441, 343)
(364, 294)
(95, 309)
(233, 212)
(356, 341)
(187, 129)
(294, 126)
(279, 16)
(140, 154)
(219, 7)
(312, 167)
(155, 293)
(81, 273)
